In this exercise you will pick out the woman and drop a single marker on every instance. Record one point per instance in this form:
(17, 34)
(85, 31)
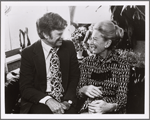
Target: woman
(104, 75)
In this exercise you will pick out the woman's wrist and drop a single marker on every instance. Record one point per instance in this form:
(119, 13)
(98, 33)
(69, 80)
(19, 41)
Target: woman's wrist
(82, 90)
(113, 107)
(116, 107)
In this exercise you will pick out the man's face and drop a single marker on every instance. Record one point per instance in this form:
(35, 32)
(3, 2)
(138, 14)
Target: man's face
(55, 40)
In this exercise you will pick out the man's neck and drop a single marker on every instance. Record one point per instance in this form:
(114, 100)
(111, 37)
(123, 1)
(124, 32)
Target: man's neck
(45, 41)
(55, 48)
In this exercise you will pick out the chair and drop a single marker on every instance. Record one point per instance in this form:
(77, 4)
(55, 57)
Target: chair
(135, 100)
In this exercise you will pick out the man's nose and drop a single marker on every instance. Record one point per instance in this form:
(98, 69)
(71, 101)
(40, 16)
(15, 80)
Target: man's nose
(62, 37)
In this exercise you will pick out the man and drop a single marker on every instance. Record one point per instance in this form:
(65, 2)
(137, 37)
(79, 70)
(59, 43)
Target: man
(47, 88)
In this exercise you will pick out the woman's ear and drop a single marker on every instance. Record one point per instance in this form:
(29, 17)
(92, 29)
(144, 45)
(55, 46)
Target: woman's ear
(108, 43)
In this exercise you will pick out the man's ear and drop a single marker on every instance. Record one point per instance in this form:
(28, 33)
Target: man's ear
(45, 35)
(108, 43)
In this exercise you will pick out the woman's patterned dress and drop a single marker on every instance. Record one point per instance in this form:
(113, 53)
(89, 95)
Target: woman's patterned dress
(111, 73)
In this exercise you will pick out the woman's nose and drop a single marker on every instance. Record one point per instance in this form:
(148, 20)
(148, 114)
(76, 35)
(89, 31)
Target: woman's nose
(91, 41)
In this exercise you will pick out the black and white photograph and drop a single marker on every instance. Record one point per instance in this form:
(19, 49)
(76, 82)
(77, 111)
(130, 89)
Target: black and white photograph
(74, 59)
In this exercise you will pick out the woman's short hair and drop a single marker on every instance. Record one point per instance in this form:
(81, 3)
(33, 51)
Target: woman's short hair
(49, 22)
(109, 30)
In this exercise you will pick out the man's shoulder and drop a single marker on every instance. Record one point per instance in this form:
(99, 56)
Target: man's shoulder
(67, 43)
(31, 47)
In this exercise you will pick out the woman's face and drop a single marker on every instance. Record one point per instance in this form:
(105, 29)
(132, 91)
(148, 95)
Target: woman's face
(97, 43)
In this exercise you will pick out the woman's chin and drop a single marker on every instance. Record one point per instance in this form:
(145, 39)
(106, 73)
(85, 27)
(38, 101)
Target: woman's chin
(95, 52)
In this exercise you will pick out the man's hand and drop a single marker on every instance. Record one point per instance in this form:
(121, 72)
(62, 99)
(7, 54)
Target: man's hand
(91, 91)
(100, 106)
(55, 106)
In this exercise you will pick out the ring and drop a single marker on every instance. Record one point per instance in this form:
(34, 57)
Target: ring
(94, 111)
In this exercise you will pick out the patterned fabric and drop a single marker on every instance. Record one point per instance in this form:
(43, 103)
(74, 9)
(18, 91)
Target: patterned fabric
(55, 78)
(111, 73)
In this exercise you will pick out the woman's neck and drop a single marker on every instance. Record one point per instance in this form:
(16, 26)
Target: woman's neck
(105, 53)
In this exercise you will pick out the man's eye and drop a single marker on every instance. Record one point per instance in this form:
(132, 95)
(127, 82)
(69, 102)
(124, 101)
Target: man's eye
(60, 33)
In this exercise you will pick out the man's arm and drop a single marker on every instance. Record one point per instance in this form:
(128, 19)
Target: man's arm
(26, 82)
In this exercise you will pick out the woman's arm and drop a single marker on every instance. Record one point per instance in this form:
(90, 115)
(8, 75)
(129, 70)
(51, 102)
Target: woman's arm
(101, 107)
(91, 91)
(121, 92)
(82, 81)
(83, 87)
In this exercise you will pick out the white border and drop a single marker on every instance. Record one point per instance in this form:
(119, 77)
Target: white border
(72, 3)
(78, 116)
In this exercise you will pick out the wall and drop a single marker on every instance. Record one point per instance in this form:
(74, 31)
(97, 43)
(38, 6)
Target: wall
(20, 17)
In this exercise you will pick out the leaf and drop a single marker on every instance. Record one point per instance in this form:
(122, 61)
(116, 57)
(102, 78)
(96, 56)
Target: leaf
(7, 9)
(98, 8)
(113, 9)
(138, 16)
(133, 16)
(141, 15)
(137, 8)
(143, 18)
(132, 6)
(124, 7)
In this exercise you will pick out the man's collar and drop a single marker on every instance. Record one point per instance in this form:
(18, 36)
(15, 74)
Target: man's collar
(45, 46)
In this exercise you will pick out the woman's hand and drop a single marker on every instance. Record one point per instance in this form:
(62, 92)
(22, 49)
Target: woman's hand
(101, 107)
(91, 91)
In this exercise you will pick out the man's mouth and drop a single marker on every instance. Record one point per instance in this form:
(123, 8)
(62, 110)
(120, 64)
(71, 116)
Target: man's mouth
(59, 40)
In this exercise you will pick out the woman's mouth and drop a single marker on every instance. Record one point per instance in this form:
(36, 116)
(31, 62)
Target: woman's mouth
(93, 47)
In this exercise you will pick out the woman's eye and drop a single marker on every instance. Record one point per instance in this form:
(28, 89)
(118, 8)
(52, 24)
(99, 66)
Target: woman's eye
(90, 39)
(95, 39)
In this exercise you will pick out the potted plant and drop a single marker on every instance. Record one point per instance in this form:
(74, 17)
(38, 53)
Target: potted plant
(132, 19)
(77, 38)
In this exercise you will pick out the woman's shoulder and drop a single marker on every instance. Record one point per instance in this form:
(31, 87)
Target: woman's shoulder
(88, 60)
(119, 59)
